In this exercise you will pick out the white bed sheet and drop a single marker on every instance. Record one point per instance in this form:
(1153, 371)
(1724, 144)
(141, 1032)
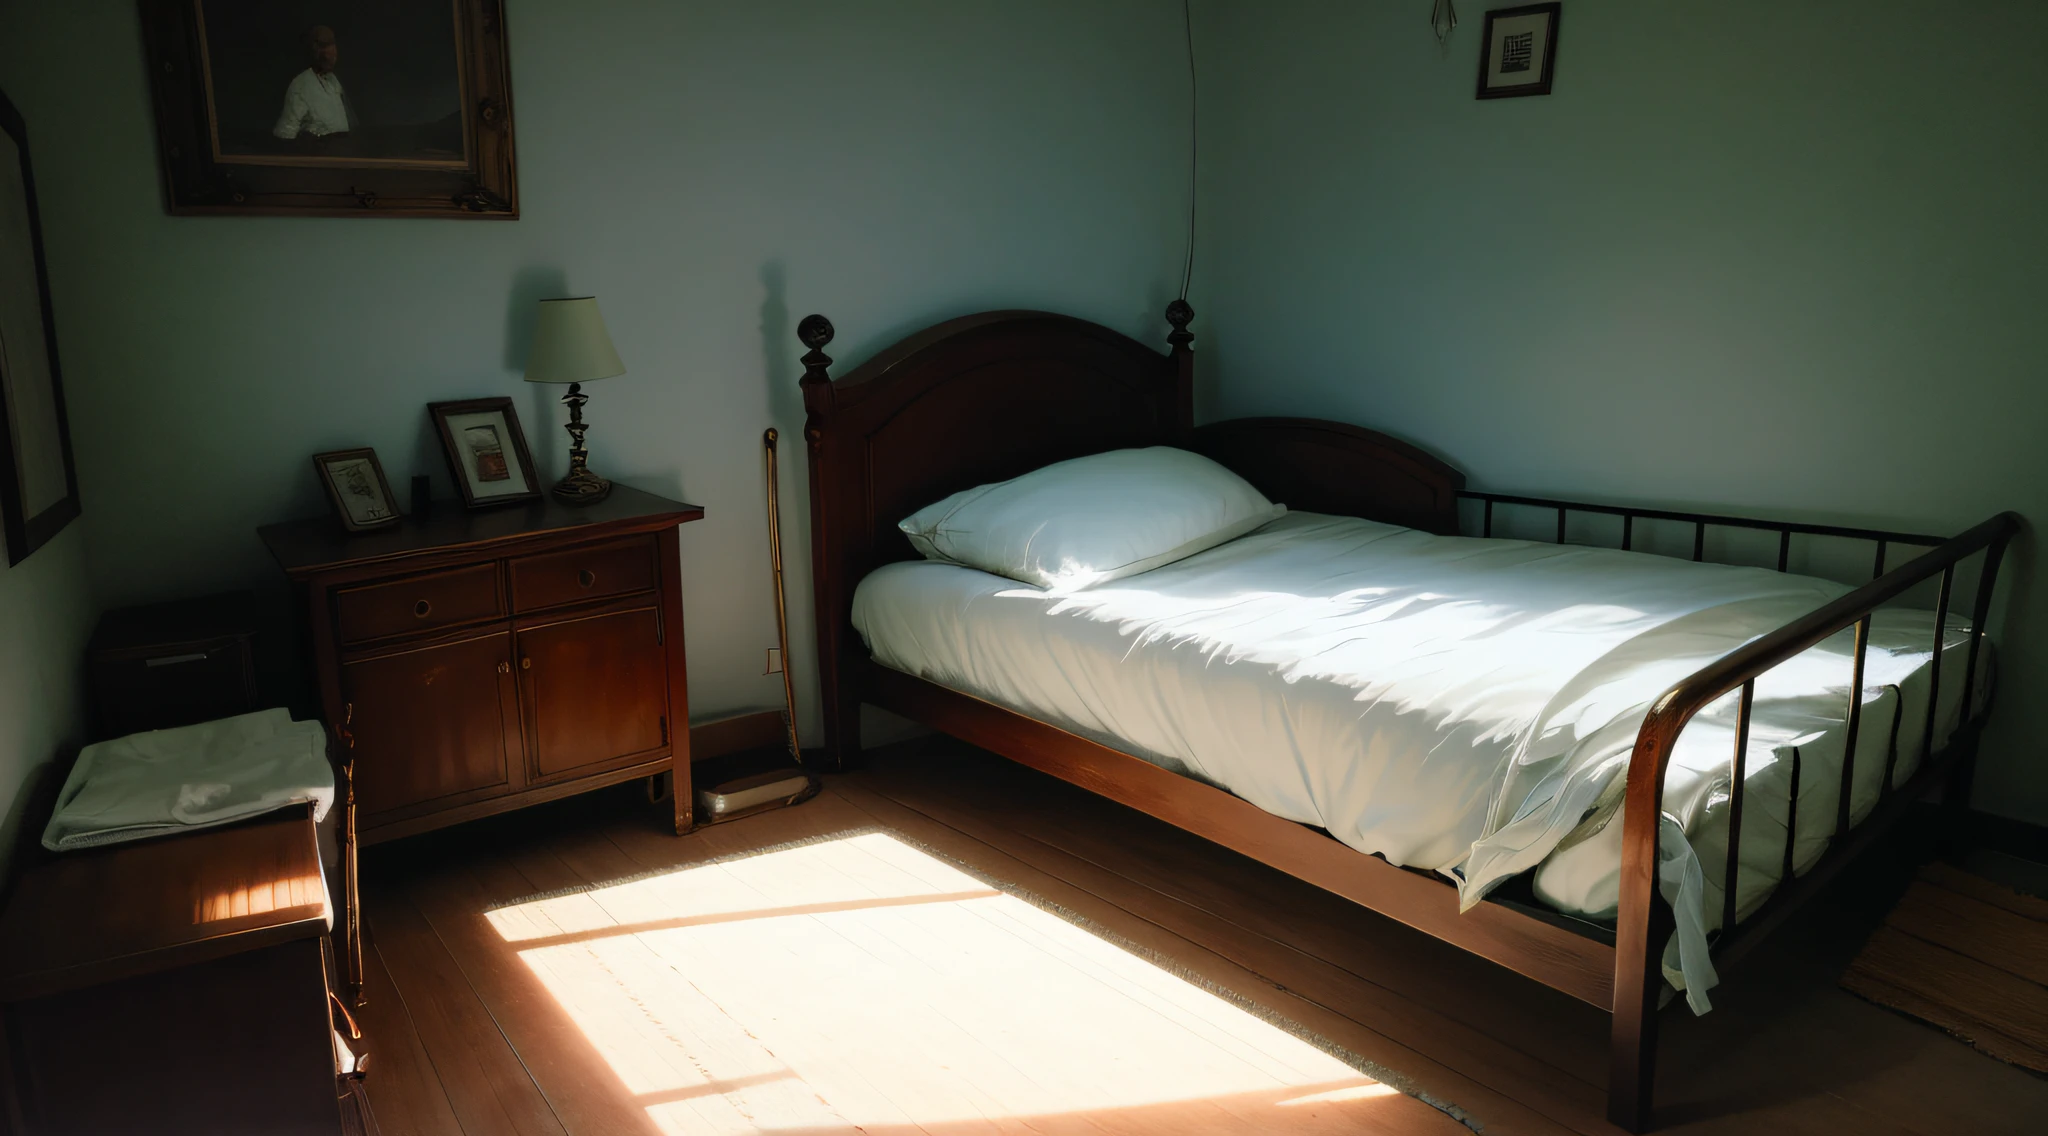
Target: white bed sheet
(1450, 703)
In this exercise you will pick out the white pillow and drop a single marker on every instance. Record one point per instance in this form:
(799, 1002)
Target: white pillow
(1075, 524)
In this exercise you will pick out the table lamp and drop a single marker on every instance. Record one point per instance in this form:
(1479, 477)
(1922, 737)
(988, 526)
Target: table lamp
(570, 345)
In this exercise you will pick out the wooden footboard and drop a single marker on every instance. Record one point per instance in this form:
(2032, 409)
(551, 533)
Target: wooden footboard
(991, 396)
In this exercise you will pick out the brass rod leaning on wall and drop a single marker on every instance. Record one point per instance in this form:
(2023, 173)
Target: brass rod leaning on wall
(781, 606)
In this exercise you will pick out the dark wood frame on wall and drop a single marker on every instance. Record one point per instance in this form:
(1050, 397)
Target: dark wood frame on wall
(1544, 74)
(991, 396)
(195, 183)
(25, 534)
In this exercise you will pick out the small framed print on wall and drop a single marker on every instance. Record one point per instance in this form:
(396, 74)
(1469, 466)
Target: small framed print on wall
(356, 488)
(486, 451)
(1518, 51)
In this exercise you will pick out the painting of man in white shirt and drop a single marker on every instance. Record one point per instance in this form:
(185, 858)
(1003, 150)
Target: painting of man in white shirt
(314, 102)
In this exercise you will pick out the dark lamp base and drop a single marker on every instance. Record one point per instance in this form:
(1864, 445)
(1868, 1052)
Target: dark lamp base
(581, 487)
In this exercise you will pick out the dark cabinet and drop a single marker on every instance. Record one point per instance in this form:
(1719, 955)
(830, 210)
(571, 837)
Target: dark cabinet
(475, 661)
(592, 691)
(439, 724)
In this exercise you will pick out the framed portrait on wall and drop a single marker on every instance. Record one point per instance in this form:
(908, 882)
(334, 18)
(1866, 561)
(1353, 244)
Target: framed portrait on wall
(486, 451)
(38, 483)
(356, 107)
(354, 480)
(1518, 51)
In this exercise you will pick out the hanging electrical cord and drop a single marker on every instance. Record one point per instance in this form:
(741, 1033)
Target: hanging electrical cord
(1187, 20)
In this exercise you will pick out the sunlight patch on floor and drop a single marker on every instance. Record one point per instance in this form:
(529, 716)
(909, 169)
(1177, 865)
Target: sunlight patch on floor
(862, 982)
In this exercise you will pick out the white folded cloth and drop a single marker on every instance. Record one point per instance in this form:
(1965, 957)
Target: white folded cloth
(191, 777)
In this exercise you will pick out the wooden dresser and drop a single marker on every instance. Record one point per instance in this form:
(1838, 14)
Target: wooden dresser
(475, 661)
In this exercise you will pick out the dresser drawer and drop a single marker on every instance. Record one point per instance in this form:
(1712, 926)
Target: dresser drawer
(418, 603)
(591, 572)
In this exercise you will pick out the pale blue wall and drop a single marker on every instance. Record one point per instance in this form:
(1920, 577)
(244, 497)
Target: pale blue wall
(711, 171)
(1779, 256)
(46, 614)
(46, 606)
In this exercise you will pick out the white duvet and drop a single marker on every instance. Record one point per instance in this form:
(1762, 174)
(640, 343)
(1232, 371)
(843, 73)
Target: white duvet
(1450, 703)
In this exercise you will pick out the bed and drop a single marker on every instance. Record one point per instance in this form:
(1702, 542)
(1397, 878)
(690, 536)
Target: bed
(1296, 723)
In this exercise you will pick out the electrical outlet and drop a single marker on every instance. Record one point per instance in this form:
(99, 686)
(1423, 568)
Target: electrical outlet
(774, 661)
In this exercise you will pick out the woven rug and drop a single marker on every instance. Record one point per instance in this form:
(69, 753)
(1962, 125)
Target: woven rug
(865, 982)
(1969, 956)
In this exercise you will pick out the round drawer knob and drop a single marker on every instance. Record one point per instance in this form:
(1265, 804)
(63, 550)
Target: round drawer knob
(586, 578)
(423, 609)
(525, 664)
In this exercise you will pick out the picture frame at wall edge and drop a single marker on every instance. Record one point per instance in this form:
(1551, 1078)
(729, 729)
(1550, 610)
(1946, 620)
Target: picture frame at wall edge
(38, 478)
(357, 489)
(486, 451)
(1517, 42)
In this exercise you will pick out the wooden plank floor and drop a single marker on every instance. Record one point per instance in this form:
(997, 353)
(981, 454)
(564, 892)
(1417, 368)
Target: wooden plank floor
(467, 1037)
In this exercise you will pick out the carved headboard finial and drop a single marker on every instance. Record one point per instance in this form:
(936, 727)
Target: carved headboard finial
(1179, 314)
(815, 331)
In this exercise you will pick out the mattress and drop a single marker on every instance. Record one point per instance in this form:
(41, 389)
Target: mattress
(1461, 705)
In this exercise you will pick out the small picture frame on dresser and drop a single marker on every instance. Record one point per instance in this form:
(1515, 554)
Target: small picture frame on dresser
(357, 489)
(486, 451)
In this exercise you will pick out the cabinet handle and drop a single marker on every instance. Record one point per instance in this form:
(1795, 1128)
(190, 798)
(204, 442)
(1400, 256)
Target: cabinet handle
(504, 668)
(525, 664)
(423, 609)
(586, 578)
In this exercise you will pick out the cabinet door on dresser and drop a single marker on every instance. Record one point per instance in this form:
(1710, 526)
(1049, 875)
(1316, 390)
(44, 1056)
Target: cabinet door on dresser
(596, 689)
(433, 722)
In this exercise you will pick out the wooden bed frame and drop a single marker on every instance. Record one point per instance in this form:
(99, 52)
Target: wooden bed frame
(991, 396)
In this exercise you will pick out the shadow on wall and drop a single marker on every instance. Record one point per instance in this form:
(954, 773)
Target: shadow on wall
(543, 416)
(778, 352)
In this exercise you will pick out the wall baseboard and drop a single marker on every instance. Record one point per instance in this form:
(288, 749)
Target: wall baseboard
(756, 729)
(2018, 838)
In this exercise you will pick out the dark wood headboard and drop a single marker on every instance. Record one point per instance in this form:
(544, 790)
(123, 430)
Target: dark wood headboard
(988, 397)
(1332, 467)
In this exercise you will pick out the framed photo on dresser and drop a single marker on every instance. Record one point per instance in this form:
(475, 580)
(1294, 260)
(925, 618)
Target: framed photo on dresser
(355, 485)
(486, 451)
(38, 484)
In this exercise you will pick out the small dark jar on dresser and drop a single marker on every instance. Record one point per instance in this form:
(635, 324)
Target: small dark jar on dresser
(477, 661)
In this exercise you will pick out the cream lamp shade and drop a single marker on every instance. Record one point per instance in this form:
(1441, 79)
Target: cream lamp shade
(571, 345)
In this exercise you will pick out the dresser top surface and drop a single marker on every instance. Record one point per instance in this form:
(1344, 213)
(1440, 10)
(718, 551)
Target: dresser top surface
(83, 918)
(316, 544)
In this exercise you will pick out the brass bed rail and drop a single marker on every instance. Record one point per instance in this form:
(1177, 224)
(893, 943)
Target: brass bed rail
(1644, 922)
